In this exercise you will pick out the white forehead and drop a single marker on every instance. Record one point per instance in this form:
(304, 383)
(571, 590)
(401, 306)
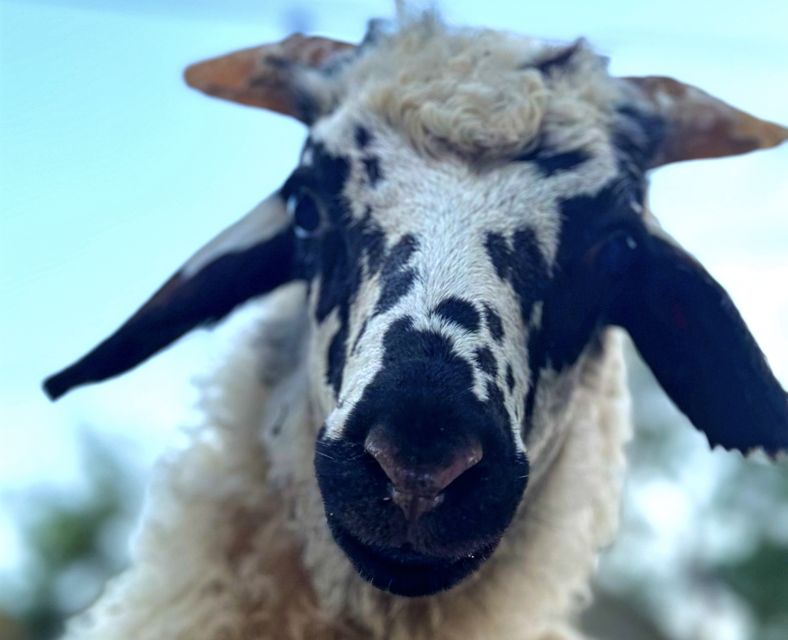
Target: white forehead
(447, 198)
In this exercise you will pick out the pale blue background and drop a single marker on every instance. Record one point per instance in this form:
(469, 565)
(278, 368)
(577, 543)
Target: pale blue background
(112, 173)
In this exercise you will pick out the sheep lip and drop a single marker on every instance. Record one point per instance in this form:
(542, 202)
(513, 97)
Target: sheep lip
(407, 572)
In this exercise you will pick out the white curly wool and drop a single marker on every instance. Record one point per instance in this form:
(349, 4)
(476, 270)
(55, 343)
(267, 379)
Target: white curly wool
(224, 552)
(476, 92)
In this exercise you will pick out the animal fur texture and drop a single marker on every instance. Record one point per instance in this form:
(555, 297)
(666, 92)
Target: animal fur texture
(228, 551)
(234, 543)
(476, 92)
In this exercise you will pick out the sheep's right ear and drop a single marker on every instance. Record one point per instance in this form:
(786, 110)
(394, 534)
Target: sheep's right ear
(250, 258)
(271, 76)
(696, 344)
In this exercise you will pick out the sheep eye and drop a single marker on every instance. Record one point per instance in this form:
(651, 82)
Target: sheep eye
(617, 254)
(305, 213)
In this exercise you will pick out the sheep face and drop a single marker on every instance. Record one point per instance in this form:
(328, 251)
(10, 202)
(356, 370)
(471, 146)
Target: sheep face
(430, 285)
(469, 215)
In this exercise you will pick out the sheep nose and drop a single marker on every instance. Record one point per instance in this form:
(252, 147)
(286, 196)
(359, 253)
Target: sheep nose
(418, 483)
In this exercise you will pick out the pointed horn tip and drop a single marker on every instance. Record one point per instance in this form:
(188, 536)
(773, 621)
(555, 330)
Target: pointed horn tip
(769, 134)
(191, 75)
(782, 134)
(233, 71)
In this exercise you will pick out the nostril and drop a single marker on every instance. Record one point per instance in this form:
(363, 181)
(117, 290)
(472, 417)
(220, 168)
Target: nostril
(417, 482)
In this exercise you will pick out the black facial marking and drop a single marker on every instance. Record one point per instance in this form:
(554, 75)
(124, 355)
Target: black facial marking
(372, 167)
(494, 323)
(499, 253)
(486, 361)
(495, 398)
(529, 272)
(550, 164)
(583, 282)
(362, 137)
(374, 242)
(509, 378)
(523, 265)
(329, 257)
(396, 279)
(335, 257)
(395, 287)
(582, 290)
(460, 312)
(336, 357)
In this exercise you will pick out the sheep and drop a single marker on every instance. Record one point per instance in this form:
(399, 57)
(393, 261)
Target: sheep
(421, 436)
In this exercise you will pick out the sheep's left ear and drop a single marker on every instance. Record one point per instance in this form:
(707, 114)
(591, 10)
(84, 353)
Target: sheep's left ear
(250, 258)
(698, 125)
(693, 339)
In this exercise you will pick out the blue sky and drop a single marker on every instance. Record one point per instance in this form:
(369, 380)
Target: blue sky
(112, 173)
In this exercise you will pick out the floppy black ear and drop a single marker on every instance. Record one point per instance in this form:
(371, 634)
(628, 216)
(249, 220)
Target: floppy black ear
(693, 339)
(250, 258)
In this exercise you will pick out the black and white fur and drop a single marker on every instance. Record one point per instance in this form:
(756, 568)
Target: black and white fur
(467, 224)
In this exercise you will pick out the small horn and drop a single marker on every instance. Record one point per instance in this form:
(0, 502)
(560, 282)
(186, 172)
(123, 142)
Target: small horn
(263, 76)
(699, 125)
(248, 259)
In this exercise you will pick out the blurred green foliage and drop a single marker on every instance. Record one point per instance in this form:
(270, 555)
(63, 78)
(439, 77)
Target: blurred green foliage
(73, 543)
(728, 555)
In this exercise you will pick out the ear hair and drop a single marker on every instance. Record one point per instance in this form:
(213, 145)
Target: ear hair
(694, 340)
(250, 258)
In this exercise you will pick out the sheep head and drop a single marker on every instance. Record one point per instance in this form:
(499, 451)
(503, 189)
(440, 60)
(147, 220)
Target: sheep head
(469, 214)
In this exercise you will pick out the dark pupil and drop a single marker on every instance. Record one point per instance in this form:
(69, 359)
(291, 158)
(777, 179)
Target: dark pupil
(306, 215)
(618, 254)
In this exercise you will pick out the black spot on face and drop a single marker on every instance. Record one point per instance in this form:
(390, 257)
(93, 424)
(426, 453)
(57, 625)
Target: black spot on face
(374, 241)
(362, 137)
(499, 253)
(336, 357)
(394, 287)
(574, 309)
(494, 323)
(335, 256)
(550, 164)
(509, 378)
(460, 312)
(486, 361)
(396, 279)
(372, 167)
(529, 272)
(524, 265)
